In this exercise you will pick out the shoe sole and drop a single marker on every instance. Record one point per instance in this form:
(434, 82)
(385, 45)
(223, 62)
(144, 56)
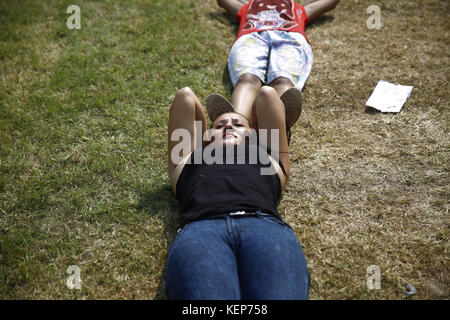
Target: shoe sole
(217, 105)
(292, 100)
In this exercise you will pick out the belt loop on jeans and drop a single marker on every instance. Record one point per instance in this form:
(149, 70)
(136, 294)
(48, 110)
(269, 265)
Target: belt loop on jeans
(258, 213)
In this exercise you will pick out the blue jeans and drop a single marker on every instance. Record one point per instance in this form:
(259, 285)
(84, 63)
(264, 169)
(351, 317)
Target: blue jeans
(233, 258)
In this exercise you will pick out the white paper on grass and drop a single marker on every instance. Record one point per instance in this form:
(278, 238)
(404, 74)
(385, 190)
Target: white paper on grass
(389, 97)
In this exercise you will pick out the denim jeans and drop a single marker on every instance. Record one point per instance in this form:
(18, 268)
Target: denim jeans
(234, 258)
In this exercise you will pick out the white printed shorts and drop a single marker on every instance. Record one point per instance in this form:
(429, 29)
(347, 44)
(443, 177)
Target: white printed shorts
(271, 54)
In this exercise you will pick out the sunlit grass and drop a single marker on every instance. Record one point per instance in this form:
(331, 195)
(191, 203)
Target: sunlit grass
(83, 130)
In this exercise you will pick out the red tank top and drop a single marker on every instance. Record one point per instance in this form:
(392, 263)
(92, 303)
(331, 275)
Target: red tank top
(262, 15)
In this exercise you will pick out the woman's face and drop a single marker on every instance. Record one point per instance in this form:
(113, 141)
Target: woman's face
(230, 128)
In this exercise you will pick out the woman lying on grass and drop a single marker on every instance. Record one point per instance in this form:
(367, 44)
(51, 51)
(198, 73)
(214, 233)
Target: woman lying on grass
(232, 242)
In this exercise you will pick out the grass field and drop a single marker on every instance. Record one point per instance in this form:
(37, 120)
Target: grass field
(83, 143)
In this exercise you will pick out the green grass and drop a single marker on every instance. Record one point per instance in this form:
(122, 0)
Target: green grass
(83, 143)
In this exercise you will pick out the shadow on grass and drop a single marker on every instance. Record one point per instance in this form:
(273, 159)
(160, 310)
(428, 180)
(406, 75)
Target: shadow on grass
(160, 202)
(320, 21)
(370, 110)
(373, 111)
(226, 81)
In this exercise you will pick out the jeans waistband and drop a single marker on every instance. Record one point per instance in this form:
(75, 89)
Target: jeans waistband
(239, 214)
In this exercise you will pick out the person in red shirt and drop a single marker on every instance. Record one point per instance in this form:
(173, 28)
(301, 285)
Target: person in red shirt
(271, 48)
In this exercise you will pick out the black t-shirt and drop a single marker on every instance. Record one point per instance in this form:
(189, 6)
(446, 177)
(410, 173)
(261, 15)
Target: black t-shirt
(220, 181)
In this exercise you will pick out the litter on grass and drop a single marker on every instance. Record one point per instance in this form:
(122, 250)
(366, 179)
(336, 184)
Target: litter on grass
(389, 97)
(410, 290)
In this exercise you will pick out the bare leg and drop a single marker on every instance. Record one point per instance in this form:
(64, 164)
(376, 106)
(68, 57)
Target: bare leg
(281, 84)
(270, 114)
(244, 93)
(185, 109)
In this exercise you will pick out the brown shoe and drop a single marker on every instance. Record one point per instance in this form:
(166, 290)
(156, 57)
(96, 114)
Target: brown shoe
(292, 100)
(217, 105)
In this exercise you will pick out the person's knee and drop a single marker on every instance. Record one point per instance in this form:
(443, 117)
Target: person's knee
(184, 92)
(184, 101)
(249, 78)
(264, 99)
(281, 81)
(267, 92)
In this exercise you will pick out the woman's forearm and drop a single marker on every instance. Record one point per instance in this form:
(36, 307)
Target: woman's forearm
(315, 9)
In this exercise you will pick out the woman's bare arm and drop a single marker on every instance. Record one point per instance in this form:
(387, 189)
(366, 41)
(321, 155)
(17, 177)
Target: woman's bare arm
(185, 110)
(232, 6)
(315, 9)
(269, 112)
